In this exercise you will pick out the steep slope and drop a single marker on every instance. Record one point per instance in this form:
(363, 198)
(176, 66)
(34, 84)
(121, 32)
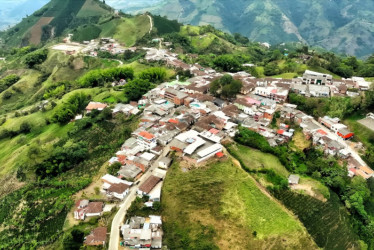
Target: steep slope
(342, 26)
(55, 19)
(12, 12)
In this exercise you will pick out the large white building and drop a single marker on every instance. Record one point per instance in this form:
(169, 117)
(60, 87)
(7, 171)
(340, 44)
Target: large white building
(316, 78)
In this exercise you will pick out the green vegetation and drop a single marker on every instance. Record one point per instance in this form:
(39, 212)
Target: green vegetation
(99, 77)
(66, 111)
(354, 193)
(154, 75)
(327, 222)
(258, 160)
(165, 26)
(226, 87)
(35, 58)
(8, 81)
(206, 207)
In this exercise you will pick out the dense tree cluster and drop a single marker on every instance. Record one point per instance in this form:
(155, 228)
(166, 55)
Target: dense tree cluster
(66, 111)
(8, 81)
(99, 77)
(136, 88)
(227, 63)
(225, 87)
(37, 57)
(62, 159)
(154, 75)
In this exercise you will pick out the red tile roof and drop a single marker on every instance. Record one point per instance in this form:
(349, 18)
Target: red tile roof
(149, 184)
(220, 155)
(146, 135)
(280, 131)
(214, 131)
(173, 121)
(97, 236)
(96, 105)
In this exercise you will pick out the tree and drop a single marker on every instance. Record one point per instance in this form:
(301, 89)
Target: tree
(73, 240)
(114, 168)
(66, 111)
(226, 87)
(136, 88)
(36, 58)
(227, 63)
(154, 75)
(271, 69)
(25, 128)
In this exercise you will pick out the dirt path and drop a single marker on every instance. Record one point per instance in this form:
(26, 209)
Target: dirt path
(151, 22)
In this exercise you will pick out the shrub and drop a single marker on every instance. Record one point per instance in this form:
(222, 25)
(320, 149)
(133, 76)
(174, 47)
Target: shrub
(36, 58)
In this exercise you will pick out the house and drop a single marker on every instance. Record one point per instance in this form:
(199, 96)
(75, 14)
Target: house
(97, 237)
(129, 171)
(219, 103)
(148, 185)
(115, 187)
(118, 190)
(164, 162)
(345, 133)
(175, 96)
(144, 233)
(365, 172)
(92, 209)
(146, 140)
(95, 106)
(316, 78)
(328, 121)
(293, 179)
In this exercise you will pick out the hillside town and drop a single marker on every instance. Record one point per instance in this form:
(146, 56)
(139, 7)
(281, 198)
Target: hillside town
(182, 118)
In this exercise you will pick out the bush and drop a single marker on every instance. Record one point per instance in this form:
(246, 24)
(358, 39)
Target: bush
(227, 63)
(154, 75)
(99, 77)
(135, 89)
(66, 111)
(8, 81)
(36, 58)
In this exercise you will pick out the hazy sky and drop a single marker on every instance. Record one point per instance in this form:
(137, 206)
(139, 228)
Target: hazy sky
(12, 11)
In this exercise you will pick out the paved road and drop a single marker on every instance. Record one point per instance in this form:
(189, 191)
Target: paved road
(354, 154)
(125, 204)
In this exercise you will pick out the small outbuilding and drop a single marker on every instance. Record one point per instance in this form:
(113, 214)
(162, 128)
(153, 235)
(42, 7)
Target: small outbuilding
(164, 162)
(293, 179)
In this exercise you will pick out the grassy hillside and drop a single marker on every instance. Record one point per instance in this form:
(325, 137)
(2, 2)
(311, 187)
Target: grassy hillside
(220, 206)
(341, 26)
(320, 210)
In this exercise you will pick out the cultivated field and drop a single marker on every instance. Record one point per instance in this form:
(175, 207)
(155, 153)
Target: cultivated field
(36, 30)
(220, 205)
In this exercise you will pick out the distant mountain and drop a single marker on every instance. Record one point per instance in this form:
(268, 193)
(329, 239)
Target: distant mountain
(12, 11)
(58, 18)
(344, 26)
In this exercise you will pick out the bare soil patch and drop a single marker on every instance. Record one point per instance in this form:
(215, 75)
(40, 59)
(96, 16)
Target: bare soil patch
(36, 30)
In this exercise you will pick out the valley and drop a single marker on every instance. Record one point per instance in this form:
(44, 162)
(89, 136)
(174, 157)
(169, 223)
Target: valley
(124, 131)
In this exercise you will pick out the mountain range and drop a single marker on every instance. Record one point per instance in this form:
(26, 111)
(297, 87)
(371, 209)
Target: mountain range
(11, 12)
(342, 26)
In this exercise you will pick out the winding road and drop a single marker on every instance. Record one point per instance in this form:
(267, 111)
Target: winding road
(125, 204)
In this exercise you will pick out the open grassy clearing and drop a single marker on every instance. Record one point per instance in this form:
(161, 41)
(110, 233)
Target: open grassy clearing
(91, 8)
(132, 29)
(299, 141)
(362, 133)
(220, 206)
(256, 159)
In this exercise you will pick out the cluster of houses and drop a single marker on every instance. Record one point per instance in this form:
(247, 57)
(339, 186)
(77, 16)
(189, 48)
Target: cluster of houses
(328, 134)
(142, 233)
